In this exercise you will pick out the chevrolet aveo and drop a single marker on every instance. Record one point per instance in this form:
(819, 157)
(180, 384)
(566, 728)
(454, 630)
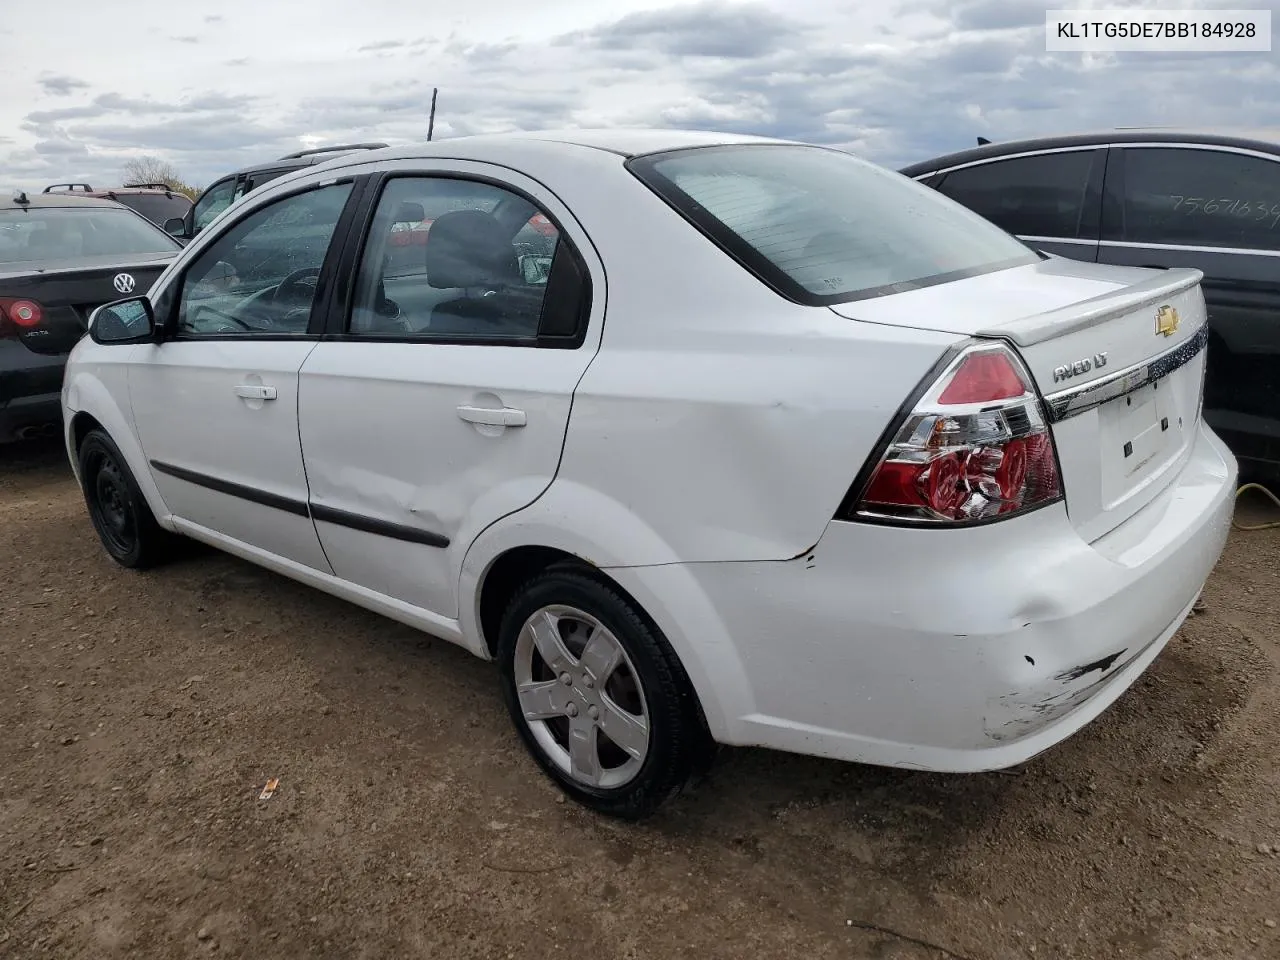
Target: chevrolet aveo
(704, 439)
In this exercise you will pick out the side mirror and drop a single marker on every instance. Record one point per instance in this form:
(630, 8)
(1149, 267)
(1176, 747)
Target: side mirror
(176, 227)
(535, 269)
(124, 321)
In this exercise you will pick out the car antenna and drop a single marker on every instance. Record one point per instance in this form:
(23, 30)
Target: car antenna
(983, 141)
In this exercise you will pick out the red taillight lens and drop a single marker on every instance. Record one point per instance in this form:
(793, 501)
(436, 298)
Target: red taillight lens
(25, 314)
(975, 447)
(983, 377)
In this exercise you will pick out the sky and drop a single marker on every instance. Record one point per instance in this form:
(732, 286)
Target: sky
(217, 85)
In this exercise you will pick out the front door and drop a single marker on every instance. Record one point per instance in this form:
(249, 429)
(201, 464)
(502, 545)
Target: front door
(1219, 211)
(441, 402)
(216, 401)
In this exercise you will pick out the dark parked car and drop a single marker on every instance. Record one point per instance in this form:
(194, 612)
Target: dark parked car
(157, 202)
(1158, 198)
(61, 256)
(222, 193)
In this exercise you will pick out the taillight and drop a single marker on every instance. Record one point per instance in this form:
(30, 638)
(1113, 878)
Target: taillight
(975, 447)
(23, 314)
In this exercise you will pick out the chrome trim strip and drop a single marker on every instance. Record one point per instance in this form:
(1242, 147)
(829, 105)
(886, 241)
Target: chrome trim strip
(1078, 148)
(1077, 400)
(1139, 245)
(1034, 239)
(1166, 145)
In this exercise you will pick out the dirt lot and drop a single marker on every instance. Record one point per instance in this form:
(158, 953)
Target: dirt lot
(142, 714)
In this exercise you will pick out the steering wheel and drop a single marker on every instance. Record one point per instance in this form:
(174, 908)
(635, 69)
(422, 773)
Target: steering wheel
(285, 289)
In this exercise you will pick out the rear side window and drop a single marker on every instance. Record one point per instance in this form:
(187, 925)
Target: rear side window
(156, 207)
(1196, 197)
(1041, 196)
(821, 226)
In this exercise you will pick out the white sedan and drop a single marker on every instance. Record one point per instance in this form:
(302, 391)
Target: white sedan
(705, 439)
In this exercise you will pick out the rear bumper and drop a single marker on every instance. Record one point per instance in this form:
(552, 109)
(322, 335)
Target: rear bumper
(41, 413)
(953, 650)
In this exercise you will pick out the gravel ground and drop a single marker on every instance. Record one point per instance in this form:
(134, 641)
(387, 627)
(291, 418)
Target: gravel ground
(141, 715)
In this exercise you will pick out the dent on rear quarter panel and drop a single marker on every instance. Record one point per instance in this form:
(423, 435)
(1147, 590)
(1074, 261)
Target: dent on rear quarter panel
(740, 446)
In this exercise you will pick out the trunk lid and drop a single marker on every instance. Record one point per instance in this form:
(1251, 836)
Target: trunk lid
(1117, 352)
(68, 290)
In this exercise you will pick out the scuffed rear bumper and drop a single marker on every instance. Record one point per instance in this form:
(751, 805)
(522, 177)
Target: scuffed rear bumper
(42, 411)
(954, 650)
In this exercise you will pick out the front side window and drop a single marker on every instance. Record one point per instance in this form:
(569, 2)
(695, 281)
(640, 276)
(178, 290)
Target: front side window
(260, 276)
(453, 259)
(822, 226)
(68, 233)
(216, 199)
(1195, 197)
(1040, 196)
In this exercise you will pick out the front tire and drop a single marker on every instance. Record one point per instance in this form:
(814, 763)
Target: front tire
(597, 694)
(119, 512)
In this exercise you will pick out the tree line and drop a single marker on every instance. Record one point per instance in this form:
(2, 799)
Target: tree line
(155, 170)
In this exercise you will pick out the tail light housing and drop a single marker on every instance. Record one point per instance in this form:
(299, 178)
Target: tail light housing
(975, 447)
(23, 314)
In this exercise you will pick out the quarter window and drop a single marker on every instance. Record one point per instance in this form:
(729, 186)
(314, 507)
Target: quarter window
(1040, 196)
(260, 276)
(1205, 198)
(454, 259)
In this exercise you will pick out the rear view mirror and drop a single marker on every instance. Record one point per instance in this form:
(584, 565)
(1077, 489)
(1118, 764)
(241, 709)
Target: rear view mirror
(176, 227)
(125, 321)
(410, 212)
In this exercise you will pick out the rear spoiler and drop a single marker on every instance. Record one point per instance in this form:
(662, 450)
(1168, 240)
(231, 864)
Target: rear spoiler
(1080, 316)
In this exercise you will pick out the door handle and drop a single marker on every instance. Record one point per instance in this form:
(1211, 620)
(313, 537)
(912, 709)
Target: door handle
(255, 391)
(499, 417)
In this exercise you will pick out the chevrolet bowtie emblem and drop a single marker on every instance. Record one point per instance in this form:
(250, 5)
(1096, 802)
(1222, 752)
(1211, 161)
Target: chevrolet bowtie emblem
(1166, 321)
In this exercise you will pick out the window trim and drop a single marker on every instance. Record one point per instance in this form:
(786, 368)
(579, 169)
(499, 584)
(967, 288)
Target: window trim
(171, 296)
(1115, 199)
(643, 168)
(1089, 224)
(342, 301)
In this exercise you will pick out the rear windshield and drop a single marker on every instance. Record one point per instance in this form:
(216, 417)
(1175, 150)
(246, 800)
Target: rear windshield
(156, 207)
(65, 233)
(821, 226)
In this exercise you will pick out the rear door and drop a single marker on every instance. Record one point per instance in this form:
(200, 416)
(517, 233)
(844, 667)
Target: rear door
(1218, 210)
(440, 400)
(1051, 200)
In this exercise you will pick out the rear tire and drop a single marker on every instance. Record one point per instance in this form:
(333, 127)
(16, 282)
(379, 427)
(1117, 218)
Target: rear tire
(597, 694)
(119, 512)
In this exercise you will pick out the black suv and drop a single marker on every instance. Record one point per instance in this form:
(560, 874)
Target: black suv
(222, 193)
(158, 202)
(1157, 198)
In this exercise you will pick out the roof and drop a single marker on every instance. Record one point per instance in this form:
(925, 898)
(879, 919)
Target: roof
(623, 142)
(43, 201)
(1262, 140)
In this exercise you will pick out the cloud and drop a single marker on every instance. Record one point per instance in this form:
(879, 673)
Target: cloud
(899, 81)
(60, 85)
(214, 18)
(716, 29)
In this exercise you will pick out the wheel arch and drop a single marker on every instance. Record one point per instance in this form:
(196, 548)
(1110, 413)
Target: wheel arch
(517, 547)
(91, 405)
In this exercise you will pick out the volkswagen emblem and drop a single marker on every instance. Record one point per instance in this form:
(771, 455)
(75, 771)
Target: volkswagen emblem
(123, 282)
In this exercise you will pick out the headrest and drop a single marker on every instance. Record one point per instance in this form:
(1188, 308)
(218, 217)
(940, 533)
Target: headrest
(469, 248)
